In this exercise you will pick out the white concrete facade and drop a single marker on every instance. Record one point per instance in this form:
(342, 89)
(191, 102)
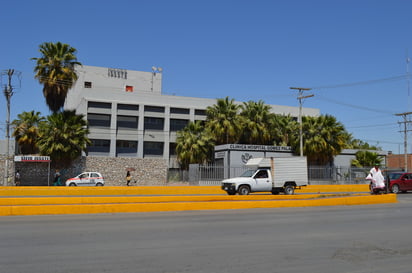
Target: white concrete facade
(129, 116)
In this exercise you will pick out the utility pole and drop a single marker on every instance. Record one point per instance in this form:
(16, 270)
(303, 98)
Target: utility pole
(300, 98)
(8, 93)
(405, 137)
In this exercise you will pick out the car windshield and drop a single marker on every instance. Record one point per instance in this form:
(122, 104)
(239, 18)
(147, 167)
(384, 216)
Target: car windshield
(248, 173)
(393, 176)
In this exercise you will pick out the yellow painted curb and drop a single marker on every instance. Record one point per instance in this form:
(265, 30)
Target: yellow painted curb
(186, 206)
(7, 201)
(157, 190)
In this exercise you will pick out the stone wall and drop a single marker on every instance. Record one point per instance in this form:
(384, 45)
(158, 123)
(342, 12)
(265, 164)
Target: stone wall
(147, 171)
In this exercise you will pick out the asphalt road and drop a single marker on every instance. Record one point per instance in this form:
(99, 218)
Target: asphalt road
(374, 238)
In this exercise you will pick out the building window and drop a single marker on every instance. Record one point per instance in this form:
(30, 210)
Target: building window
(87, 84)
(172, 148)
(102, 105)
(156, 109)
(132, 107)
(178, 124)
(126, 147)
(99, 120)
(152, 148)
(127, 122)
(153, 123)
(99, 146)
(200, 112)
(129, 88)
(179, 110)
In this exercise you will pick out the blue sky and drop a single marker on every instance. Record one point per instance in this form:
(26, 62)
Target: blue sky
(352, 53)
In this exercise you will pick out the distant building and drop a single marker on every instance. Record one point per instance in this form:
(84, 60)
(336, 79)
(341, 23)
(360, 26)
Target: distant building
(130, 117)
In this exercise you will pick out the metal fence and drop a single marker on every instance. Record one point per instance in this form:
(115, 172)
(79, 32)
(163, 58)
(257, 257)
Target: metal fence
(317, 175)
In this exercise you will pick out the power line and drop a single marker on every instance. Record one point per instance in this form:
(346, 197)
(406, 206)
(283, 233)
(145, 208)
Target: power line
(395, 78)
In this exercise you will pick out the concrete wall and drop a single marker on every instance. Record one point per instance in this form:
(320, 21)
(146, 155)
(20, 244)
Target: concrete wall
(113, 169)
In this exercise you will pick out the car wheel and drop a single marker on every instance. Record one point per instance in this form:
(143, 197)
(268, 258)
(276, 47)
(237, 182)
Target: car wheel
(72, 185)
(244, 190)
(395, 188)
(289, 190)
(231, 192)
(99, 185)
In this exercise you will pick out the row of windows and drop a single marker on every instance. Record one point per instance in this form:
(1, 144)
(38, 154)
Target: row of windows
(129, 147)
(131, 122)
(147, 108)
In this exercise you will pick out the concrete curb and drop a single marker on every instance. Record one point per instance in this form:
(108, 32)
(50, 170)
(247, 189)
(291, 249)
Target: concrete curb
(89, 200)
(157, 190)
(187, 206)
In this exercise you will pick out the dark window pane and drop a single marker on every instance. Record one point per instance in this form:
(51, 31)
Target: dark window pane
(153, 123)
(103, 105)
(179, 110)
(200, 112)
(127, 122)
(178, 124)
(99, 145)
(153, 148)
(156, 109)
(98, 120)
(128, 107)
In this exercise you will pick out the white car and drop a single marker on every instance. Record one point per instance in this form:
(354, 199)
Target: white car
(86, 179)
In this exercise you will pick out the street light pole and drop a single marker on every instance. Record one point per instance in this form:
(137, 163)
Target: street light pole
(300, 98)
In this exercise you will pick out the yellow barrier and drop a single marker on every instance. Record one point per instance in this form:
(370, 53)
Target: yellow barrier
(157, 190)
(185, 206)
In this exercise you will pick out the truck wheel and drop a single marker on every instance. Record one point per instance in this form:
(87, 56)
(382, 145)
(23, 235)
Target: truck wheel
(231, 192)
(244, 190)
(289, 190)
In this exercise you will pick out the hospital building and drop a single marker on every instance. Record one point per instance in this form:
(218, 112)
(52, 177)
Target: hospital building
(129, 116)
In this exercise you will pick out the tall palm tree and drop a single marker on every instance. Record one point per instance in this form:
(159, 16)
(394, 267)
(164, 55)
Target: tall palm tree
(223, 121)
(55, 71)
(323, 138)
(194, 144)
(63, 137)
(26, 131)
(256, 123)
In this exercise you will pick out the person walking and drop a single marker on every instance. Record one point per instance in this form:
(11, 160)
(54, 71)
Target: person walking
(17, 178)
(128, 178)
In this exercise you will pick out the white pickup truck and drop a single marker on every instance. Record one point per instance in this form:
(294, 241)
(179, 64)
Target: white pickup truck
(275, 175)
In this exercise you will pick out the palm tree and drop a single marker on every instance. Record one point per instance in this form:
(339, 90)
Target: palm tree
(194, 144)
(323, 138)
(55, 71)
(26, 131)
(283, 128)
(366, 159)
(223, 121)
(63, 137)
(256, 123)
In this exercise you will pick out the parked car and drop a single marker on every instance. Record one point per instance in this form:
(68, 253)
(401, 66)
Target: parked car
(400, 182)
(86, 179)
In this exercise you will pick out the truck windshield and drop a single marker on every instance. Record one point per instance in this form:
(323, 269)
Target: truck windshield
(248, 173)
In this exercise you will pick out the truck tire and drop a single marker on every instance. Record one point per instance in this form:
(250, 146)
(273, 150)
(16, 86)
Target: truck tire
(231, 192)
(244, 190)
(289, 190)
